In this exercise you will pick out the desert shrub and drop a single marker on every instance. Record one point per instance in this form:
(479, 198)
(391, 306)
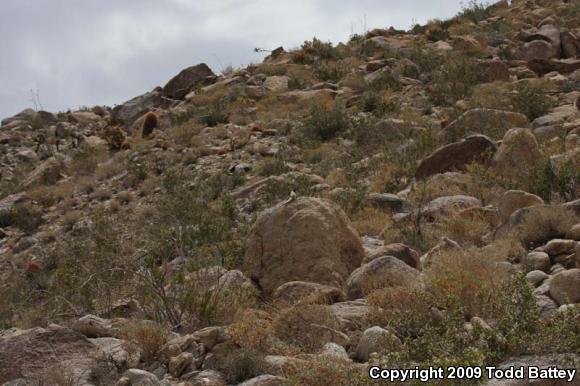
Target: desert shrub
(325, 124)
(24, 216)
(542, 224)
(330, 71)
(475, 11)
(252, 329)
(371, 221)
(322, 371)
(271, 167)
(214, 114)
(469, 276)
(318, 49)
(242, 365)
(453, 82)
(85, 160)
(465, 229)
(532, 101)
(387, 80)
(147, 337)
(302, 325)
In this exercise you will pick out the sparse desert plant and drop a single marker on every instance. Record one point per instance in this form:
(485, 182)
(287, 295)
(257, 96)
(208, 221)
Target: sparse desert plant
(325, 124)
(371, 221)
(532, 100)
(241, 365)
(303, 325)
(453, 82)
(147, 337)
(542, 224)
(252, 329)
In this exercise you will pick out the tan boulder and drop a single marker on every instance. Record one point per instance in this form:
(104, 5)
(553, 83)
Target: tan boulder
(181, 84)
(559, 246)
(296, 291)
(565, 287)
(305, 239)
(513, 200)
(386, 271)
(490, 122)
(29, 353)
(518, 152)
(457, 155)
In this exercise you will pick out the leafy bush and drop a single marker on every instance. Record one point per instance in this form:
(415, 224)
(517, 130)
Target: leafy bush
(242, 365)
(532, 101)
(147, 337)
(453, 82)
(325, 124)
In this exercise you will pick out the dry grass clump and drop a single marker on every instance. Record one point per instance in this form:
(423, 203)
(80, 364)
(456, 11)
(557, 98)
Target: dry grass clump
(324, 371)
(252, 329)
(470, 276)
(303, 325)
(371, 221)
(542, 224)
(147, 337)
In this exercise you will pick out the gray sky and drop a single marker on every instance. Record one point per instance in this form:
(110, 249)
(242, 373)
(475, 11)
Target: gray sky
(89, 52)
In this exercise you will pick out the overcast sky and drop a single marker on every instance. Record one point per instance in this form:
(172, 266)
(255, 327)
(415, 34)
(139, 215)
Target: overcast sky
(89, 52)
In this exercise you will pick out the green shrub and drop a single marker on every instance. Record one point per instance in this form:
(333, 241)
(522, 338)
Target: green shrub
(325, 124)
(453, 82)
(531, 101)
(242, 365)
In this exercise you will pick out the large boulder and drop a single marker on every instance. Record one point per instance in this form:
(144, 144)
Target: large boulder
(570, 45)
(401, 251)
(513, 200)
(536, 49)
(305, 239)
(382, 272)
(492, 70)
(128, 112)
(565, 287)
(296, 291)
(457, 155)
(373, 340)
(29, 353)
(490, 122)
(188, 79)
(518, 152)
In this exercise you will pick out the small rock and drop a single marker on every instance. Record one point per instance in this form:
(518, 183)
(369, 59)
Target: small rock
(536, 277)
(537, 261)
(375, 339)
(559, 247)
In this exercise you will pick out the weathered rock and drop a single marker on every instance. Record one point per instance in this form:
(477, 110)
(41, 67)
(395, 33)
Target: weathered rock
(188, 79)
(536, 49)
(545, 66)
(128, 112)
(570, 45)
(447, 205)
(457, 155)
(276, 83)
(180, 363)
(513, 200)
(386, 271)
(490, 122)
(296, 291)
(518, 149)
(114, 350)
(27, 353)
(92, 326)
(565, 287)
(335, 351)
(559, 246)
(537, 261)
(375, 339)
(207, 378)
(401, 251)
(210, 336)
(351, 315)
(493, 71)
(306, 239)
(139, 377)
(574, 233)
(536, 277)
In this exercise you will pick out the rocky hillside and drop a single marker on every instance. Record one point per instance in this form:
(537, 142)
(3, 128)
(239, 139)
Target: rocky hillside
(406, 198)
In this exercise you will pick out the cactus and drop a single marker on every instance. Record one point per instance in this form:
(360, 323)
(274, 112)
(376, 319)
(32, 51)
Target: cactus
(151, 122)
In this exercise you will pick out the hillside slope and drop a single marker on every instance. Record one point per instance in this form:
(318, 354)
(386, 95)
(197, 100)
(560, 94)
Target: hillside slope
(405, 198)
